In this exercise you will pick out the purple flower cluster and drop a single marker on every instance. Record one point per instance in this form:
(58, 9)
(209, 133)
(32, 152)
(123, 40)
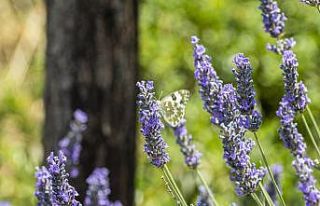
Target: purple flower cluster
(270, 188)
(307, 183)
(203, 197)
(237, 148)
(207, 78)
(188, 149)
(3, 203)
(99, 189)
(43, 190)
(225, 107)
(70, 145)
(273, 19)
(293, 101)
(282, 45)
(251, 119)
(296, 92)
(151, 125)
(52, 186)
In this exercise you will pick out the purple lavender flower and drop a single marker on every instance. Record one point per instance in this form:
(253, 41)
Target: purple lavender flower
(282, 45)
(70, 145)
(99, 189)
(221, 101)
(251, 119)
(243, 173)
(307, 183)
(224, 109)
(273, 19)
(296, 92)
(188, 149)
(151, 125)
(43, 191)
(206, 76)
(203, 197)
(300, 98)
(288, 131)
(270, 188)
(62, 192)
(4, 203)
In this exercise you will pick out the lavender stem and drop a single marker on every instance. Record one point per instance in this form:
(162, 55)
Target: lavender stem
(313, 119)
(167, 172)
(266, 195)
(268, 169)
(256, 198)
(207, 187)
(311, 135)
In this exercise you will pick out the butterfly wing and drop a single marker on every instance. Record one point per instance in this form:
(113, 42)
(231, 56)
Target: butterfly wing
(173, 107)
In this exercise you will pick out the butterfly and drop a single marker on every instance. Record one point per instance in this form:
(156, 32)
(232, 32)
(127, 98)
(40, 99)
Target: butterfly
(173, 107)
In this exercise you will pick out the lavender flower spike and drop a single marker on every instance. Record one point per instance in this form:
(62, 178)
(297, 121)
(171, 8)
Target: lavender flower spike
(99, 189)
(203, 197)
(270, 188)
(282, 45)
(70, 145)
(307, 183)
(251, 118)
(43, 190)
(273, 19)
(296, 93)
(192, 156)
(206, 76)
(62, 192)
(151, 125)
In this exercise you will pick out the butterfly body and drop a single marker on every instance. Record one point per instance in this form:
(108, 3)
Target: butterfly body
(173, 107)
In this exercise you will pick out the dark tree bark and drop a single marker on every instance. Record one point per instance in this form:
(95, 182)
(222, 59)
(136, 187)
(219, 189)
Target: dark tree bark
(91, 64)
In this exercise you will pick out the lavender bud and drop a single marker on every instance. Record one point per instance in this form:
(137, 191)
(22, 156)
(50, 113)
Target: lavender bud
(307, 182)
(203, 197)
(151, 124)
(282, 45)
(301, 99)
(188, 149)
(70, 145)
(224, 109)
(273, 19)
(251, 118)
(270, 187)
(43, 190)
(99, 189)
(62, 192)
(206, 76)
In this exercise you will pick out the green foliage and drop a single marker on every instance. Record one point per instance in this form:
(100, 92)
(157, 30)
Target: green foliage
(225, 27)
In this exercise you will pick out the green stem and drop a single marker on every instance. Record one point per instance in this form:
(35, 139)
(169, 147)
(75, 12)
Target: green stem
(170, 185)
(256, 198)
(266, 195)
(207, 187)
(269, 170)
(174, 185)
(311, 135)
(312, 117)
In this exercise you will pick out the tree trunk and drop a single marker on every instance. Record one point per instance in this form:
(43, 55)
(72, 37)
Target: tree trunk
(91, 64)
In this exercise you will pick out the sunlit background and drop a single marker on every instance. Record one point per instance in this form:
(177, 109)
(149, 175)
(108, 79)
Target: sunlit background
(225, 27)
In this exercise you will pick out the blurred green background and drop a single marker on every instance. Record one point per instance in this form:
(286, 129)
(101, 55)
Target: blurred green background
(225, 27)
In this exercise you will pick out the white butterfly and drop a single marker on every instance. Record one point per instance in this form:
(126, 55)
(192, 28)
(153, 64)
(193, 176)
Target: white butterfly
(173, 107)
